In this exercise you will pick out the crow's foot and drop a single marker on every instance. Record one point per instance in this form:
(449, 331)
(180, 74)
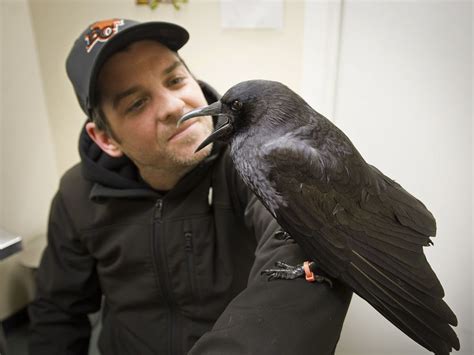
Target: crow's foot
(284, 271)
(289, 272)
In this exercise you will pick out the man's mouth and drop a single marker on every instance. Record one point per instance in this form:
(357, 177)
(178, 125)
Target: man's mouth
(181, 131)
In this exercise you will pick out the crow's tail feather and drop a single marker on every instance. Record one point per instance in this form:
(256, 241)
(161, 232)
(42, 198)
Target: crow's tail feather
(408, 313)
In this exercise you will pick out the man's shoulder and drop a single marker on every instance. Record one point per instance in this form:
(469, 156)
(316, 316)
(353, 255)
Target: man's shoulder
(73, 185)
(73, 177)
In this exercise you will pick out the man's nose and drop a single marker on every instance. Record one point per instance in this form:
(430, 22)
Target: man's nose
(171, 107)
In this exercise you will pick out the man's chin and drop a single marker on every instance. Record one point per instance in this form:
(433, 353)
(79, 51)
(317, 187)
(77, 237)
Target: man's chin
(189, 157)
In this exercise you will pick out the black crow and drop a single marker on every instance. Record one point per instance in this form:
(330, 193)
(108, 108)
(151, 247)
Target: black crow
(355, 223)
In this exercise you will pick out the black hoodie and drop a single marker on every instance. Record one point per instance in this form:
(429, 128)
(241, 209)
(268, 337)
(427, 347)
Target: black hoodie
(174, 271)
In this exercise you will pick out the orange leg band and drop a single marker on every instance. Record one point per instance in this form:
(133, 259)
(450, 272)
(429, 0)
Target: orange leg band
(308, 273)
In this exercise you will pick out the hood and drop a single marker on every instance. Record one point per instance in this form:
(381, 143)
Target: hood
(114, 175)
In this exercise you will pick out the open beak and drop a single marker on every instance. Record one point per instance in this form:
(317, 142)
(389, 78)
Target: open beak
(223, 128)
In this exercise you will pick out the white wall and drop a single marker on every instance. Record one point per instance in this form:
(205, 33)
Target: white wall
(404, 97)
(1, 108)
(28, 174)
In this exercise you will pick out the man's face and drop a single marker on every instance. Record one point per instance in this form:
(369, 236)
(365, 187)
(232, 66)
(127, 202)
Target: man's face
(144, 90)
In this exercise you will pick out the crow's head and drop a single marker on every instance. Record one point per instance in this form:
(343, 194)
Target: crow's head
(243, 106)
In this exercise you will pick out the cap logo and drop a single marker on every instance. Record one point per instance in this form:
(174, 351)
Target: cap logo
(101, 31)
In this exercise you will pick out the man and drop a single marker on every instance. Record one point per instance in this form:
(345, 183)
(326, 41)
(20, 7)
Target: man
(170, 242)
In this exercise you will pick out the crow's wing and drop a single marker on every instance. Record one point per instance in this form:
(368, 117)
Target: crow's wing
(361, 227)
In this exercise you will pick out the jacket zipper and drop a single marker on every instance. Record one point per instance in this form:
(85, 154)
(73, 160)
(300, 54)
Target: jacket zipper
(188, 247)
(162, 270)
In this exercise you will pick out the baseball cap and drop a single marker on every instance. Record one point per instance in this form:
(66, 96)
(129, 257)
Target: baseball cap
(102, 39)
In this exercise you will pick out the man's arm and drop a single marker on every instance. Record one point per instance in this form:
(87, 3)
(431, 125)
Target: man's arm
(281, 316)
(67, 290)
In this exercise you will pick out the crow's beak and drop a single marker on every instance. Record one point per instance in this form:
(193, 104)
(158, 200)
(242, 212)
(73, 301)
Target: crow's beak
(223, 127)
(211, 110)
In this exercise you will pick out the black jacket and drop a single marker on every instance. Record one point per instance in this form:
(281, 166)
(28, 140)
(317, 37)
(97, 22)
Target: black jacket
(175, 270)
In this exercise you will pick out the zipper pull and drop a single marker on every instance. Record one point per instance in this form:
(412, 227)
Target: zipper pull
(158, 209)
(209, 196)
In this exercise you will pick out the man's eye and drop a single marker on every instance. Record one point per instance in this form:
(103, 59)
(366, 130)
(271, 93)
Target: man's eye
(176, 80)
(136, 105)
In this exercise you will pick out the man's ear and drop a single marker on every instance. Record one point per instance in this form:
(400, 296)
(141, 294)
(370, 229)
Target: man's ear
(104, 140)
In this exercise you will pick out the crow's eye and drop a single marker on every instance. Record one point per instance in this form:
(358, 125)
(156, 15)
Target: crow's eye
(236, 105)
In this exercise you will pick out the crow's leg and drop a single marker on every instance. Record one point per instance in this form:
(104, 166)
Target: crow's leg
(290, 272)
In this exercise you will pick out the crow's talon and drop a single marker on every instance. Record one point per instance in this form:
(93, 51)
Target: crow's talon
(283, 265)
(321, 279)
